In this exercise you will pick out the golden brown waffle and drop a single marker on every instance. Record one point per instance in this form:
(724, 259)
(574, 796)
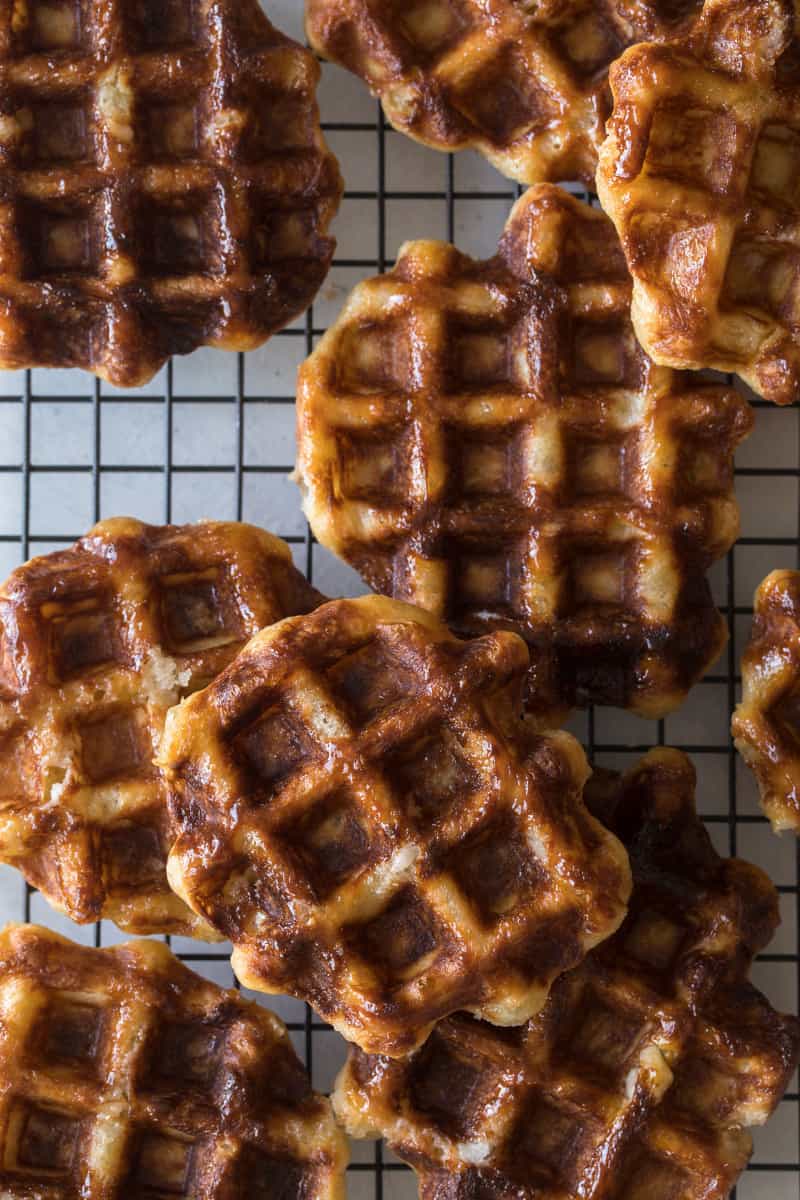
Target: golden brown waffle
(699, 174)
(96, 643)
(525, 83)
(126, 1075)
(637, 1078)
(360, 810)
(487, 440)
(165, 182)
(766, 725)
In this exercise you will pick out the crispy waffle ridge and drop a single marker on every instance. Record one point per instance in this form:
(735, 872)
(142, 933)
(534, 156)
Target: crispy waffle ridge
(639, 1077)
(360, 810)
(487, 440)
(96, 643)
(126, 1075)
(166, 184)
(525, 83)
(766, 725)
(700, 176)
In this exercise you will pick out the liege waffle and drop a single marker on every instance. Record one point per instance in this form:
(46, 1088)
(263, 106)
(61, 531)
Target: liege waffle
(525, 83)
(126, 1075)
(487, 440)
(766, 724)
(166, 184)
(96, 643)
(359, 808)
(700, 176)
(639, 1077)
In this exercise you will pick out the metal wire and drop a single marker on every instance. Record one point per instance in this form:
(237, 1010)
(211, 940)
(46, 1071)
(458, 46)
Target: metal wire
(731, 819)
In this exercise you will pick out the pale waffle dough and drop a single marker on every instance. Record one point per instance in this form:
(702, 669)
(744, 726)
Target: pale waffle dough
(766, 724)
(166, 184)
(524, 82)
(126, 1075)
(700, 173)
(488, 440)
(96, 643)
(639, 1078)
(360, 810)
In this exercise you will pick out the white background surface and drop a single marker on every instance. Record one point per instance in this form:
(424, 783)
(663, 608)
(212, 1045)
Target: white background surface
(131, 431)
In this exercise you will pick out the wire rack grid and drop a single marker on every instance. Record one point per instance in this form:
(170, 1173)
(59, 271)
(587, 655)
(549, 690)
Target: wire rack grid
(213, 435)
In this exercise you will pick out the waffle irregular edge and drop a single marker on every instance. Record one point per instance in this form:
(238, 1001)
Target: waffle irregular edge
(488, 440)
(640, 1076)
(766, 724)
(359, 809)
(526, 84)
(96, 643)
(699, 174)
(125, 1074)
(166, 184)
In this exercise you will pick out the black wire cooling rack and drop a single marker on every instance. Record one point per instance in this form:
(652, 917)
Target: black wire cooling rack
(768, 482)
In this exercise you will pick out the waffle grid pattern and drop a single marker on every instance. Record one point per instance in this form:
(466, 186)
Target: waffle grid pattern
(422, 862)
(125, 1075)
(765, 724)
(140, 222)
(644, 1060)
(693, 134)
(96, 643)
(525, 84)
(446, 200)
(449, 456)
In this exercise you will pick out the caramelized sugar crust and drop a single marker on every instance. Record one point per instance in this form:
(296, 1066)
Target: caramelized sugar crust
(700, 174)
(96, 643)
(766, 725)
(166, 184)
(359, 808)
(524, 82)
(125, 1074)
(649, 1061)
(489, 441)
